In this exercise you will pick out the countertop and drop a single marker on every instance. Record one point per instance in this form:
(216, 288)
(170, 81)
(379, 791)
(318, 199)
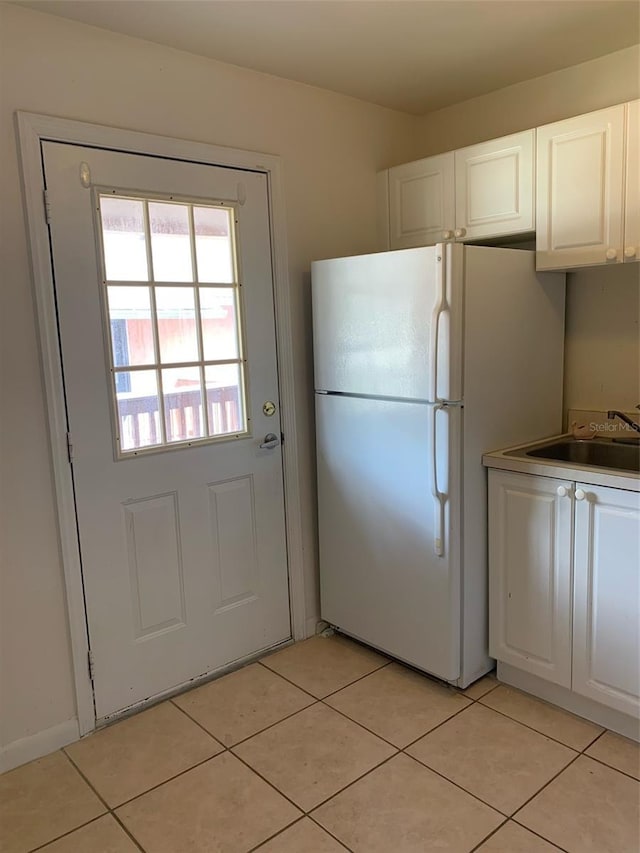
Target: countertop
(560, 470)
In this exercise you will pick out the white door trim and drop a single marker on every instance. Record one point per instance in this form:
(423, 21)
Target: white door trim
(32, 130)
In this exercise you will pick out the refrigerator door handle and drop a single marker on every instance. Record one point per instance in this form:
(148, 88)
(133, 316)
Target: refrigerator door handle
(438, 309)
(440, 497)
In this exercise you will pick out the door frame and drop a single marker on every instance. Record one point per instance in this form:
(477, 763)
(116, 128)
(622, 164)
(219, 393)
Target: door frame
(33, 129)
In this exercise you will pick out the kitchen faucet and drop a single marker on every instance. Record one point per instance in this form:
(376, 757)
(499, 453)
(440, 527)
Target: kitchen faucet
(615, 414)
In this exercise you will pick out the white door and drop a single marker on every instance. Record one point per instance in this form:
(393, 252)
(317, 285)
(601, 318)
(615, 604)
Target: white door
(422, 202)
(530, 526)
(165, 308)
(495, 187)
(579, 195)
(385, 324)
(389, 554)
(606, 616)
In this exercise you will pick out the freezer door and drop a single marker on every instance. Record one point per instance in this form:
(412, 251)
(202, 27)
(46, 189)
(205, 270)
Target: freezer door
(381, 323)
(384, 576)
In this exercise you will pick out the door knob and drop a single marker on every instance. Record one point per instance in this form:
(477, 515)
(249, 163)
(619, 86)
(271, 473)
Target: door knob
(271, 440)
(630, 252)
(447, 235)
(460, 232)
(562, 491)
(580, 494)
(611, 254)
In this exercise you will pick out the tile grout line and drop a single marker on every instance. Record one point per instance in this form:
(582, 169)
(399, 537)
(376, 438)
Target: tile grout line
(381, 737)
(277, 790)
(70, 832)
(200, 726)
(280, 832)
(537, 731)
(610, 767)
(277, 834)
(260, 731)
(165, 781)
(328, 831)
(348, 785)
(487, 837)
(100, 797)
(332, 692)
(435, 728)
(456, 785)
(93, 788)
(128, 832)
(546, 785)
(537, 834)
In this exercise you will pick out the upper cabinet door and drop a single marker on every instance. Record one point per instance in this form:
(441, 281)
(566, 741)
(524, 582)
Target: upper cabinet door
(580, 183)
(421, 202)
(495, 187)
(632, 185)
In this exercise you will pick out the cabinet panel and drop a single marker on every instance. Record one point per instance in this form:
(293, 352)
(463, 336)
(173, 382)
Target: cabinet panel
(530, 527)
(495, 187)
(632, 185)
(580, 190)
(606, 634)
(421, 201)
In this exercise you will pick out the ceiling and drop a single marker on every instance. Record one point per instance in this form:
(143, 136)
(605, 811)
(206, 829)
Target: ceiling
(410, 55)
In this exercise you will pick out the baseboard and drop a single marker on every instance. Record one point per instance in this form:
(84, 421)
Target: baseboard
(35, 746)
(618, 722)
(310, 626)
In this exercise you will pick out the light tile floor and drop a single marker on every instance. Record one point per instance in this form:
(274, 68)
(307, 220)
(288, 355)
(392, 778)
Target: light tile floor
(326, 746)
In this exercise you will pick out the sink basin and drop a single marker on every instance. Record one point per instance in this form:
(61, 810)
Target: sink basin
(600, 454)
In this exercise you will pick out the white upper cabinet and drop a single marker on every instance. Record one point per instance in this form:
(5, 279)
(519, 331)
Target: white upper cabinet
(632, 185)
(476, 193)
(580, 188)
(606, 631)
(421, 202)
(495, 187)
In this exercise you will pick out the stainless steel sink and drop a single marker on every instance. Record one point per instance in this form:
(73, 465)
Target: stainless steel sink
(599, 453)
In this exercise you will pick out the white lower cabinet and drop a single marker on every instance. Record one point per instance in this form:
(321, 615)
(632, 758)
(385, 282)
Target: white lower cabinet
(606, 596)
(564, 578)
(530, 574)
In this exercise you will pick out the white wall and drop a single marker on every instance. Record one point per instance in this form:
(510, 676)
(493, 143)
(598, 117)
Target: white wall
(610, 79)
(602, 350)
(602, 356)
(330, 147)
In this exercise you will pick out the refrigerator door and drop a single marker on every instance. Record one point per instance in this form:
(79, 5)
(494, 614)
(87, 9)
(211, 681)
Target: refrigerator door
(389, 574)
(383, 324)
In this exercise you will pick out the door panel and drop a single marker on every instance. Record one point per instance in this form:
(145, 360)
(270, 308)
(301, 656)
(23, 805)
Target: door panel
(381, 579)
(374, 323)
(606, 629)
(495, 187)
(530, 526)
(422, 202)
(580, 183)
(183, 549)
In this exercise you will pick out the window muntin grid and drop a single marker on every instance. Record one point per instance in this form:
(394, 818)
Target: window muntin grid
(174, 321)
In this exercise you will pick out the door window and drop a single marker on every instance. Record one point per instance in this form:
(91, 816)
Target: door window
(173, 318)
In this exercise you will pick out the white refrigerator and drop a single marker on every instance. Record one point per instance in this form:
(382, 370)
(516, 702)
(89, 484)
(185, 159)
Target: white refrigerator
(424, 359)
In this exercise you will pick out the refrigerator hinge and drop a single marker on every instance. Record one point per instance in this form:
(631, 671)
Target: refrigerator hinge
(91, 664)
(70, 447)
(47, 206)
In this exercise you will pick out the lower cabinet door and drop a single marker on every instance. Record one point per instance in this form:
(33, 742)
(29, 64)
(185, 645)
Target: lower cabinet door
(606, 628)
(530, 550)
